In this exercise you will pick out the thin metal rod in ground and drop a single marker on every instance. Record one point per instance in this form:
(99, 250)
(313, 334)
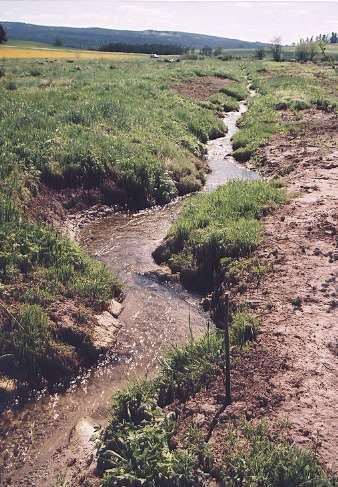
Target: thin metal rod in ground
(227, 377)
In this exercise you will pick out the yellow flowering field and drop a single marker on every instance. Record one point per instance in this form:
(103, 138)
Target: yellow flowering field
(15, 52)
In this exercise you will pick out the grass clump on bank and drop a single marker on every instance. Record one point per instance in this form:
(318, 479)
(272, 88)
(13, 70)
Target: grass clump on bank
(139, 448)
(39, 267)
(216, 228)
(256, 455)
(244, 328)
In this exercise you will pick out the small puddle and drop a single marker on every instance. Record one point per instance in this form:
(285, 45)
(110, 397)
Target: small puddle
(157, 314)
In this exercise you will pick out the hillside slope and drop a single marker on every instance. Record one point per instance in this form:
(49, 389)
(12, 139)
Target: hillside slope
(94, 37)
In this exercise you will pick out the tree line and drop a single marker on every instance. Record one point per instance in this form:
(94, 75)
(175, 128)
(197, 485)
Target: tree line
(3, 34)
(164, 49)
(328, 38)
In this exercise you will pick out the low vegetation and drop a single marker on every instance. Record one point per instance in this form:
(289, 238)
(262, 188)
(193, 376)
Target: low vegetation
(281, 86)
(139, 448)
(214, 229)
(136, 445)
(131, 136)
(256, 455)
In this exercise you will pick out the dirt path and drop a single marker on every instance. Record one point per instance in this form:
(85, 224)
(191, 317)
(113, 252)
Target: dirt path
(292, 371)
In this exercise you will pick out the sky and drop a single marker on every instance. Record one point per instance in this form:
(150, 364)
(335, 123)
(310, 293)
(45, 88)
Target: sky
(247, 20)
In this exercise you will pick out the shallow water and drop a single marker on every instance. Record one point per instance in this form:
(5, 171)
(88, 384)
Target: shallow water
(224, 166)
(51, 430)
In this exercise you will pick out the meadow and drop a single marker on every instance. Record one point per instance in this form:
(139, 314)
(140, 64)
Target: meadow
(81, 124)
(123, 132)
(120, 131)
(215, 229)
(211, 244)
(281, 86)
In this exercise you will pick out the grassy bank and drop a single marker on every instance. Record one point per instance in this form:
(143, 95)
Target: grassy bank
(116, 127)
(42, 274)
(281, 86)
(139, 446)
(216, 229)
(113, 131)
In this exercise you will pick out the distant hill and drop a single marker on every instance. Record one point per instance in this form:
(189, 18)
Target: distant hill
(93, 38)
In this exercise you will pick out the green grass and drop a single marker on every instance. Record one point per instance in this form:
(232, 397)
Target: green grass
(85, 124)
(221, 102)
(216, 228)
(26, 338)
(37, 268)
(136, 447)
(244, 328)
(257, 456)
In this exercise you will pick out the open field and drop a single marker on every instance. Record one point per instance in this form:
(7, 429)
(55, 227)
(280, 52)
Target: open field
(131, 133)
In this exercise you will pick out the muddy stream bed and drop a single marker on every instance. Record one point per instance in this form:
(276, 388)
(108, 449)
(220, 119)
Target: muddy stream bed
(48, 441)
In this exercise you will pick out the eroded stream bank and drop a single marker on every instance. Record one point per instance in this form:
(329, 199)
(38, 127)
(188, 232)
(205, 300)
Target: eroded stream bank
(49, 439)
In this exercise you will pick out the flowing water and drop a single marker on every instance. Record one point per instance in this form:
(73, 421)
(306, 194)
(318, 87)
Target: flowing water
(50, 437)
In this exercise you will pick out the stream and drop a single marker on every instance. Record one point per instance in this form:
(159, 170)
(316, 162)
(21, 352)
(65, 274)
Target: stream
(48, 441)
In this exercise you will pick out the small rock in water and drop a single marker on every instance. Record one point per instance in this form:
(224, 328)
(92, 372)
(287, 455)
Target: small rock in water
(105, 331)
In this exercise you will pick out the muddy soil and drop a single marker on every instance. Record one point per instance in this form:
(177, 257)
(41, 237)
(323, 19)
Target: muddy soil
(291, 373)
(48, 440)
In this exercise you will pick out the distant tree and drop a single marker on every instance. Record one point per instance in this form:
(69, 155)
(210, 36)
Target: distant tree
(322, 43)
(306, 50)
(58, 42)
(218, 51)
(260, 53)
(164, 49)
(276, 48)
(3, 34)
(334, 38)
(206, 51)
(323, 38)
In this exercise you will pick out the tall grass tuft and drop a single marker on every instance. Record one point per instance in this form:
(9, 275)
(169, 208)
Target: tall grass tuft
(26, 339)
(244, 328)
(137, 447)
(218, 225)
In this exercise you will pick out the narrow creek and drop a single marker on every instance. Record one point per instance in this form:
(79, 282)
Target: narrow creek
(49, 439)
